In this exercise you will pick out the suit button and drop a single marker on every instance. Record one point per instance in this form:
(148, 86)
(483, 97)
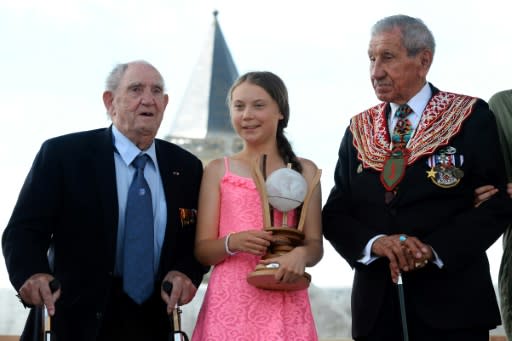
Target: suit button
(392, 212)
(99, 315)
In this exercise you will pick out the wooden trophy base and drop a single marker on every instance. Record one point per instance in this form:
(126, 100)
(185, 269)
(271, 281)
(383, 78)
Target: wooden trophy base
(264, 278)
(285, 240)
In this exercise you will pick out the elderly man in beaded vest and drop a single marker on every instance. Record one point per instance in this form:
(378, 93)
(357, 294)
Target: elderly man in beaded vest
(402, 203)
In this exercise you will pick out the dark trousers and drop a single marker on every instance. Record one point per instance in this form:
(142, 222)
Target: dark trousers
(125, 320)
(388, 327)
(424, 333)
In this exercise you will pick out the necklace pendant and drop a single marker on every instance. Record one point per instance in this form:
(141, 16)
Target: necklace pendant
(393, 170)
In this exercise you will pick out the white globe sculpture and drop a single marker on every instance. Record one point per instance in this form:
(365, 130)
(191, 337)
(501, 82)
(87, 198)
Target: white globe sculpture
(286, 189)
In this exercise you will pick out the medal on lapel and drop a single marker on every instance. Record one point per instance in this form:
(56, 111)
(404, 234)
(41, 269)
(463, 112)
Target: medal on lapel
(359, 168)
(444, 167)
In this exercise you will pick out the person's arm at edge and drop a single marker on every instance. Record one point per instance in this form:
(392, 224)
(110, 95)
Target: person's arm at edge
(209, 249)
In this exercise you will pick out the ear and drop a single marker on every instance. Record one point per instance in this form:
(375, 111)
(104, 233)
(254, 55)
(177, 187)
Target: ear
(108, 98)
(426, 57)
(166, 100)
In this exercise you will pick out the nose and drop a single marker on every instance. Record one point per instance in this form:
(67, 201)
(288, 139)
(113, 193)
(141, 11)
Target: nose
(247, 114)
(147, 98)
(376, 70)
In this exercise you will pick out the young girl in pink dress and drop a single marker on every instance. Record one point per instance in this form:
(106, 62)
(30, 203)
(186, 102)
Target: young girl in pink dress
(230, 232)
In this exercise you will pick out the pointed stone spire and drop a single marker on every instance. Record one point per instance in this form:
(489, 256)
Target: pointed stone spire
(202, 120)
(224, 73)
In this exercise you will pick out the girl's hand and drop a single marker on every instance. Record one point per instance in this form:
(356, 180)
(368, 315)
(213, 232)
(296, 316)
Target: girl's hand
(254, 242)
(291, 265)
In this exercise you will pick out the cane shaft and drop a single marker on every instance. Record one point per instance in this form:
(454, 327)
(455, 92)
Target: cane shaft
(47, 323)
(402, 308)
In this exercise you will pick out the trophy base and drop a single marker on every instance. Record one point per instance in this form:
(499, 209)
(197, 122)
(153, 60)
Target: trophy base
(286, 236)
(264, 278)
(285, 240)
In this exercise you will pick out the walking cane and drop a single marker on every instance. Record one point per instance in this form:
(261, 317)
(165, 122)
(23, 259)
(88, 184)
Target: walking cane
(402, 307)
(175, 318)
(47, 326)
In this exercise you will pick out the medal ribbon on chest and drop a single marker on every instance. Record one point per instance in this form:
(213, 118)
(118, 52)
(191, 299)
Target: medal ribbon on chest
(441, 120)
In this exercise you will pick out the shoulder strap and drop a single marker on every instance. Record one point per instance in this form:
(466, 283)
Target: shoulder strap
(226, 164)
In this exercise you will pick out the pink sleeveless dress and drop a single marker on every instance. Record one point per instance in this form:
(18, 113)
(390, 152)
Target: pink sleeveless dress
(234, 310)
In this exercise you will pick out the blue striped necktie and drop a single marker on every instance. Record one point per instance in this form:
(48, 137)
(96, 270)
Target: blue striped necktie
(138, 273)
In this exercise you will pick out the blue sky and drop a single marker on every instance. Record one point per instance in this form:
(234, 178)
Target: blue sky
(56, 54)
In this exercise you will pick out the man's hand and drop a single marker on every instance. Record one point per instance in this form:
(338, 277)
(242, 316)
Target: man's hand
(483, 193)
(36, 291)
(405, 253)
(183, 290)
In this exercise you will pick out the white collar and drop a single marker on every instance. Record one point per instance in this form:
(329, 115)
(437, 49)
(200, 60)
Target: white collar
(128, 150)
(418, 102)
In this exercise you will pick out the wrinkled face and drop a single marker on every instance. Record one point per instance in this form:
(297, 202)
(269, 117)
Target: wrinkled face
(137, 106)
(396, 77)
(254, 113)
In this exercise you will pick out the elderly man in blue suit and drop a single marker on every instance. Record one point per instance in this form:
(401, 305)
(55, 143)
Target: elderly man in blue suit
(75, 202)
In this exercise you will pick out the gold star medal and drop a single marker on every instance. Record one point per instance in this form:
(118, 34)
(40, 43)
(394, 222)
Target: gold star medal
(431, 173)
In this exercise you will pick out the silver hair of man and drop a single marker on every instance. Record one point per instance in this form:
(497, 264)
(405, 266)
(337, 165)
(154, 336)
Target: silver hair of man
(416, 36)
(117, 73)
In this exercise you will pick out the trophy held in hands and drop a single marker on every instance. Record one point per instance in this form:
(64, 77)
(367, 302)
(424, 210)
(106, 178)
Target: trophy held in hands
(284, 197)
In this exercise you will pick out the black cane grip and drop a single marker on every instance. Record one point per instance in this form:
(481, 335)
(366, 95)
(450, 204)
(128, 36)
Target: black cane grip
(54, 285)
(167, 287)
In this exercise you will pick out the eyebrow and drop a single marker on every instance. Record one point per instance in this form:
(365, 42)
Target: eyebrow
(136, 84)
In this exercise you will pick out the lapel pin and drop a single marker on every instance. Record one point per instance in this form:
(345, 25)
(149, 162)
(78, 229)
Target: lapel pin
(359, 169)
(175, 173)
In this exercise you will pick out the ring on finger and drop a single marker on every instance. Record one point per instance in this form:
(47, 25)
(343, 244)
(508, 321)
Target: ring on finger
(419, 264)
(402, 238)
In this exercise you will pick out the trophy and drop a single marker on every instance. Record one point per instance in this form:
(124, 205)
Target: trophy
(284, 198)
